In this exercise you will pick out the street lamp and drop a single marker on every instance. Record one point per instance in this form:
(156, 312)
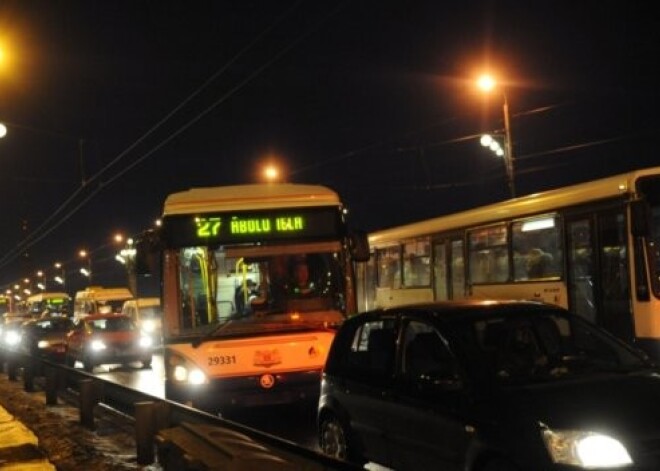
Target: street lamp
(60, 277)
(126, 257)
(88, 270)
(41, 280)
(487, 84)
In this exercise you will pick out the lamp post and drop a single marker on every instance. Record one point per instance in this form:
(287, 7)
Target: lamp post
(126, 257)
(487, 84)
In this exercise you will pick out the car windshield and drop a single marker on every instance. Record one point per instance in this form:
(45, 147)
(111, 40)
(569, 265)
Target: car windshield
(544, 347)
(54, 325)
(110, 305)
(113, 324)
(150, 313)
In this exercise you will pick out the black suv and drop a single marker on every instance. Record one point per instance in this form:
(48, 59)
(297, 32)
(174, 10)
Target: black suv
(487, 386)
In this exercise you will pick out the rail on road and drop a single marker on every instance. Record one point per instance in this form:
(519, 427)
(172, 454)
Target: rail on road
(177, 436)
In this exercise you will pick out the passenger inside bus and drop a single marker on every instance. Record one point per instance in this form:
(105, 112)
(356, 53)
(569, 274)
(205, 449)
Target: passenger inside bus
(278, 270)
(539, 264)
(244, 295)
(302, 283)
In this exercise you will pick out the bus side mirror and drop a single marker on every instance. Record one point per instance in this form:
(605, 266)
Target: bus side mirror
(639, 218)
(359, 246)
(147, 253)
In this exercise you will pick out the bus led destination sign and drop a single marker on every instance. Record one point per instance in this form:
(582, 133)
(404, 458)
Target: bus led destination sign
(265, 225)
(253, 227)
(210, 227)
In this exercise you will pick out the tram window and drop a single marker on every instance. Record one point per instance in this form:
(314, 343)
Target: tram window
(537, 252)
(389, 267)
(417, 263)
(489, 256)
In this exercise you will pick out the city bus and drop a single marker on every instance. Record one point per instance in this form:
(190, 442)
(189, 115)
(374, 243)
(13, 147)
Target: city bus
(51, 302)
(591, 247)
(5, 304)
(243, 323)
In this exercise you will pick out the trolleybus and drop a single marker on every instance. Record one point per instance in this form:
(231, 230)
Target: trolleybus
(592, 247)
(243, 322)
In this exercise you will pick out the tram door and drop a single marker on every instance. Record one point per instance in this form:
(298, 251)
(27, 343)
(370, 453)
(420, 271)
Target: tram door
(448, 269)
(598, 279)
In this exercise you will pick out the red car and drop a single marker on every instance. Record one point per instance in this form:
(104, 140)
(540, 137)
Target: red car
(100, 339)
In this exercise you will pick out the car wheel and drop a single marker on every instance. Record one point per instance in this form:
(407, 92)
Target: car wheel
(146, 363)
(499, 464)
(334, 439)
(88, 365)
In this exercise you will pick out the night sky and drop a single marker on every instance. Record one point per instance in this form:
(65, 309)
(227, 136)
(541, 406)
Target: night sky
(373, 98)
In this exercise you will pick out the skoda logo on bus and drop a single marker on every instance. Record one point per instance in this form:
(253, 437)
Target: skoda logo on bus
(267, 381)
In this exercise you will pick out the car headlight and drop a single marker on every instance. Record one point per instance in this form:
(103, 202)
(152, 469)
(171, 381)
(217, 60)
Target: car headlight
(149, 326)
(12, 338)
(146, 341)
(97, 345)
(43, 344)
(585, 449)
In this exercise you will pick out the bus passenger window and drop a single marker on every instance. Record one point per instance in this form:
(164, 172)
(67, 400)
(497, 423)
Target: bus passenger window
(489, 256)
(537, 251)
(417, 263)
(389, 267)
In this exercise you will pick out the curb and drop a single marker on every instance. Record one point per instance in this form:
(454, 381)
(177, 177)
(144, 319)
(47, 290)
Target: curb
(19, 447)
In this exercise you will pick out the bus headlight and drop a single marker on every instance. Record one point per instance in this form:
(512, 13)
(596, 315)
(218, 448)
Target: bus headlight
(97, 345)
(585, 449)
(195, 376)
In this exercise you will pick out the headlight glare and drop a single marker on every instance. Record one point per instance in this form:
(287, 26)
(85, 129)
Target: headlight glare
(148, 326)
(197, 377)
(585, 449)
(97, 345)
(12, 338)
(146, 341)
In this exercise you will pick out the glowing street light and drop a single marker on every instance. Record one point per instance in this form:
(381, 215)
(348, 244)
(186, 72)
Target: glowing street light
(487, 84)
(41, 280)
(271, 173)
(86, 271)
(126, 257)
(493, 144)
(60, 276)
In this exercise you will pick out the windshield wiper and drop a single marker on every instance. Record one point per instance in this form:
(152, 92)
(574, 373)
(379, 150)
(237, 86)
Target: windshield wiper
(204, 337)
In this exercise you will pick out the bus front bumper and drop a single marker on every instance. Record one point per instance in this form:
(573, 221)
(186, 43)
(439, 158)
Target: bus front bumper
(247, 391)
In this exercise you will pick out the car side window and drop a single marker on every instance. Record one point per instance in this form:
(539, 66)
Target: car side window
(426, 357)
(372, 351)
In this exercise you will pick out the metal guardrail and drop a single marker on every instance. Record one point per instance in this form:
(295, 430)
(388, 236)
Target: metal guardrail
(184, 438)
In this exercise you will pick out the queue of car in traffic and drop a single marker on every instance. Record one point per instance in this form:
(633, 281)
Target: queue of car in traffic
(476, 386)
(105, 327)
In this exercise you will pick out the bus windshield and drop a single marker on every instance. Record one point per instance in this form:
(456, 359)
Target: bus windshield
(259, 285)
